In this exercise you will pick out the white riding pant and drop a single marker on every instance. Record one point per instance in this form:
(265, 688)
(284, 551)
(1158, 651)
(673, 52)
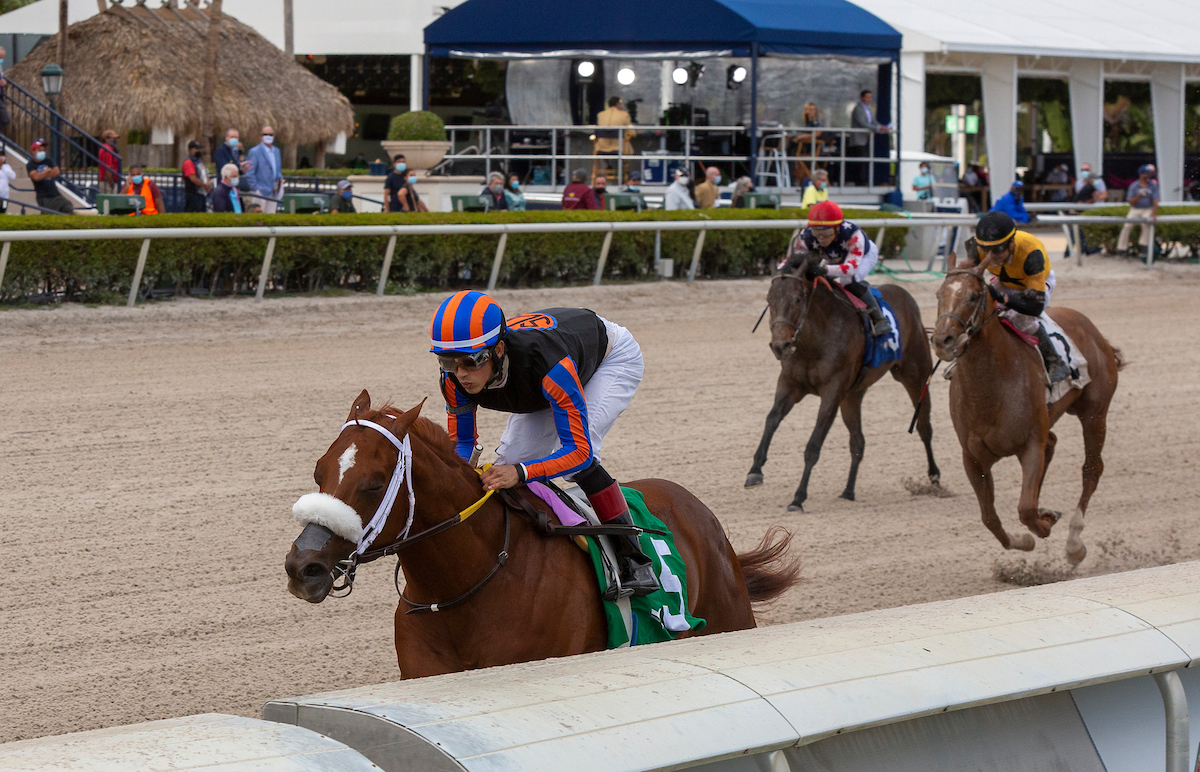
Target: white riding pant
(529, 436)
(865, 266)
(1024, 322)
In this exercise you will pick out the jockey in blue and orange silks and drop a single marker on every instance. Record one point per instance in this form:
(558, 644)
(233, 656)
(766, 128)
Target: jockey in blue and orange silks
(564, 375)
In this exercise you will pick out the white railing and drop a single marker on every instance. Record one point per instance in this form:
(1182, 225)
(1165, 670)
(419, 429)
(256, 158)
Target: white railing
(1070, 225)
(146, 235)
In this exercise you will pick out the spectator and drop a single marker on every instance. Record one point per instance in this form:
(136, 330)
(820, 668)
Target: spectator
(6, 175)
(343, 201)
(5, 118)
(410, 201)
(806, 144)
(492, 196)
(611, 141)
(923, 184)
(394, 183)
(1012, 203)
(266, 171)
(1143, 197)
(42, 171)
(1089, 188)
(110, 179)
(578, 195)
(635, 183)
(230, 152)
(599, 188)
(707, 192)
(225, 195)
(516, 199)
(141, 185)
(743, 186)
(195, 179)
(859, 144)
(1059, 175)
(360, 161)
(818, 191)
(678, 196)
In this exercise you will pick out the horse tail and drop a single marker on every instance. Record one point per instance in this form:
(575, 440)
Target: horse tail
(768, 571)
(1121, 360)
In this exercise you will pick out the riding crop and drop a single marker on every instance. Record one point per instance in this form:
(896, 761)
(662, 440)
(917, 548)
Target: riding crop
(924, 391)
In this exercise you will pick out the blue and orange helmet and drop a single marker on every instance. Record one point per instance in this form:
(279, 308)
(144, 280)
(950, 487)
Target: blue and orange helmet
(466, 322)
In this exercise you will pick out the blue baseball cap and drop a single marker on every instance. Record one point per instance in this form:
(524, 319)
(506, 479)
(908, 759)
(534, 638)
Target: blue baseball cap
(1146, 169)
(1018, 184)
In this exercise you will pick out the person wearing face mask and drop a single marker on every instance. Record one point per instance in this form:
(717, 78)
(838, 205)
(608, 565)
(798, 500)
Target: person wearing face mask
(743, 186)
(42, 171)
(599, 188)
(410, 201)
(492, 197)
(229, 152)
(1089, 187)
(343, 201)
(678, 197)
(196, 186)
(635, 183)
(923, 184)
(225, 195)
(1012, 203)
(266, 171)
(395, 182)
(516, 199)
(707, 192)
(818, 191)
(141, 185)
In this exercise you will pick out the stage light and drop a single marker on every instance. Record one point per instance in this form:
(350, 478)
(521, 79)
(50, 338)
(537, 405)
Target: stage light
(586, 69)
(695, 72)
(625, 76)
(679, 75)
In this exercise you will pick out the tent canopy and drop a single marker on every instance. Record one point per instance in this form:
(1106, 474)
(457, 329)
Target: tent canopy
(660, 28)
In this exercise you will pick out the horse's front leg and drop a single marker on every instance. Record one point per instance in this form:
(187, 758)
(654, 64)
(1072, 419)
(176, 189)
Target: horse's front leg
(980, 476)
(786, 397)
(1033, 466)
(812, 451)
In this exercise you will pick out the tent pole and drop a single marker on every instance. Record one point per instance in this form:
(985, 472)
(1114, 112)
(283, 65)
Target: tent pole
(425, 77)
(897, 77)
(754, 112)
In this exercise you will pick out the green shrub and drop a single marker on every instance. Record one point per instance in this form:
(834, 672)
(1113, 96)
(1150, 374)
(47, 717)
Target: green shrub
(99, 270)
(1184, 234)
(417, 126)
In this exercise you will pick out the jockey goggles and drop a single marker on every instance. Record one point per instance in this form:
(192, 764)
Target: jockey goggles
(822, 230)
(470, 361)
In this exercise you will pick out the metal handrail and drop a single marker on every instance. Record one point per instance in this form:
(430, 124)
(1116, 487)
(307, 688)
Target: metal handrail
(30, 105)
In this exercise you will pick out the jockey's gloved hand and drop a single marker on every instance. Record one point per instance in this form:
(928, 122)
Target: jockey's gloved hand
(998, 293)
(813, 270)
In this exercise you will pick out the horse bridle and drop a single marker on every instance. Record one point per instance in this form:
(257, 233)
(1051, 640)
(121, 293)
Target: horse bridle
(972, 326)
(802, 318)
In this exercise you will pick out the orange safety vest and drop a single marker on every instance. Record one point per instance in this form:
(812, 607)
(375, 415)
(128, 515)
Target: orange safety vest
(144, 193)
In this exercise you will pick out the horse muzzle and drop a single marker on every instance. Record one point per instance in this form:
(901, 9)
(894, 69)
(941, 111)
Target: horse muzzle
(949, 347)
(309, 569)
(779, 348)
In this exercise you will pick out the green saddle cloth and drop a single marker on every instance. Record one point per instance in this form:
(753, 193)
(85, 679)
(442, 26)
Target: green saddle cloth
(661, 615)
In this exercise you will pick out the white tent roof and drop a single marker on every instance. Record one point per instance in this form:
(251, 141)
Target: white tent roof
(1149, 30)
(321, 27)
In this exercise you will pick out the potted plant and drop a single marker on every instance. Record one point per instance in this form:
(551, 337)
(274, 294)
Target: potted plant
(420, 136)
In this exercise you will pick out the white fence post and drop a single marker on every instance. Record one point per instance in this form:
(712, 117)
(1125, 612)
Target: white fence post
(1150, 245)
(603, 259)
(4, 261)
(137, 273)
(696, 255)
(1077, 240)
(1176, 708)
(266, 269)
(499, 259)
(387, 265)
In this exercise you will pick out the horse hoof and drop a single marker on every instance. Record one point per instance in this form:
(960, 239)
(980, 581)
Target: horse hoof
(847, 495)
(935, 479)
(1024, 542)
(794, 507)
(753, 480)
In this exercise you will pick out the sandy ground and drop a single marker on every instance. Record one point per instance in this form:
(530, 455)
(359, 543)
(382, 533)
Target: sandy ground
(151, 456)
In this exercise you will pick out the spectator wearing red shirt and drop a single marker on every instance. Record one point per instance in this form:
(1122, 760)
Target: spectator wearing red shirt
(578, 195)
(110, 179)
(195, 180)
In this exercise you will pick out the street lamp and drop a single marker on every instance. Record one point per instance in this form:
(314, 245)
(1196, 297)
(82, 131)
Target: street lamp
(52, 82)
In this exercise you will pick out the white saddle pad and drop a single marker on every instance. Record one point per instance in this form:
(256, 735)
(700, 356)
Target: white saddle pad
(1070, 354)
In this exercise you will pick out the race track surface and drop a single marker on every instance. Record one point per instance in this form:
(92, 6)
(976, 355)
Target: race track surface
(150, 458)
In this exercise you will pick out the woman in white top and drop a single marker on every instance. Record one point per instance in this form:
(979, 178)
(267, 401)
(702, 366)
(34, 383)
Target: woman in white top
(6, 174)
(677, 195)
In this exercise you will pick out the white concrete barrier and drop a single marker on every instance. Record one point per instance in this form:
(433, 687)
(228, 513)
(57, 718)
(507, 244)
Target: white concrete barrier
(901, 687)
(211, 741)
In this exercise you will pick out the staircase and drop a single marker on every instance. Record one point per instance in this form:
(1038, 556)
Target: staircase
(73, 149)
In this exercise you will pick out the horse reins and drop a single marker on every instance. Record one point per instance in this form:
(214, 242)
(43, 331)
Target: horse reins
(797, 325)
(973, 326)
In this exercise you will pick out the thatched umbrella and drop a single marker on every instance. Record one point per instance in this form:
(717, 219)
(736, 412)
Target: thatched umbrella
(137, 68)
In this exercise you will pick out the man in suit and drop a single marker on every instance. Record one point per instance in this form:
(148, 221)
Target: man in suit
(266, 171)
(858, 144)
(612, 141)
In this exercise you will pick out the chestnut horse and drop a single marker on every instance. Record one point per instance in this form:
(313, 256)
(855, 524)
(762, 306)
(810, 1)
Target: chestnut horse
(818, 339)
(541, 598)
(998, 403)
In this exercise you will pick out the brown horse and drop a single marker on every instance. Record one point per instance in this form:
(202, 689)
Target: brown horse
(541, 598)
(998, 403)
(818, 339)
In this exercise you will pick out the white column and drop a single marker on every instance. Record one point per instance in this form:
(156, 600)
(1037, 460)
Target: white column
(416, 80)
(912, 116)
(1086, 84)
(1167, 101)
(666, 93)
(999, 76)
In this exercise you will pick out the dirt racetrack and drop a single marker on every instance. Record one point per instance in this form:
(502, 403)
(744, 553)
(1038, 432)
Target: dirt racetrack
(150, 458)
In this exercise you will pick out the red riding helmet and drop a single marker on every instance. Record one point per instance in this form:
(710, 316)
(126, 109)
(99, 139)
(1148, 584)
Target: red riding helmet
(825, 215)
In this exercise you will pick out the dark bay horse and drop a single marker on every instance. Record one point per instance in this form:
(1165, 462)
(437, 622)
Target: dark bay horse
(818, 339)
(998, 403)
(541, 598)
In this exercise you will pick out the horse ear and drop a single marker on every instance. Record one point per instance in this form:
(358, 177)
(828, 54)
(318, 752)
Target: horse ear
(405, 421)
(360, 406)
(953, 262)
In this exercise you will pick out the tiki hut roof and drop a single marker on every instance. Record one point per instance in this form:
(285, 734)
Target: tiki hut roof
(137, 68)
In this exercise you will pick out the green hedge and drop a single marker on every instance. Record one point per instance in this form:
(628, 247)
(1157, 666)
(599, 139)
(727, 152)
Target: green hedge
(99, 271)
(1166, 235)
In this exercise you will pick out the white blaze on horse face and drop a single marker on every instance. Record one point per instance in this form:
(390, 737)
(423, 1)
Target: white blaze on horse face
(346, 461)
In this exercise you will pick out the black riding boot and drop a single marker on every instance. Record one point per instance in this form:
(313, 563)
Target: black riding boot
(636, 571)
(1056, 368)
(879, 323)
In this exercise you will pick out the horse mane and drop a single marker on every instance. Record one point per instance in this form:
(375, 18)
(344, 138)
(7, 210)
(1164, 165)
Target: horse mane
(428, 432)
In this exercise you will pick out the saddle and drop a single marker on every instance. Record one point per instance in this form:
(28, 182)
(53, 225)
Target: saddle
(542, 515)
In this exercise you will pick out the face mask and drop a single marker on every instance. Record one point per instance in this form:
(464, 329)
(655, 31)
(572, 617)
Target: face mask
(824, 185)
(497, 188)
(233, 181)
(232, 142)
(41, 155)
(137, 179)
(514, 184)
(600, 189)
(1085, 174)
(683, 181)
(635, 188)
(401, 166)
(412, 180)
(717, 181)
(268, 139)
(346, 194)
(924, 170)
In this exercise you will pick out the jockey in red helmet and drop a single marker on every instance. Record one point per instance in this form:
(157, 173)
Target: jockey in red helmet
(564, 375)
(843, 253)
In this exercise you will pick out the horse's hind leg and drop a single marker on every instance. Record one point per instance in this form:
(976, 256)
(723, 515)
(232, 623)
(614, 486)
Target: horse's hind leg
(914, 386)
(812, 451)
(980, 476)
(1095, 428)
(786, 397)
(852, 417)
